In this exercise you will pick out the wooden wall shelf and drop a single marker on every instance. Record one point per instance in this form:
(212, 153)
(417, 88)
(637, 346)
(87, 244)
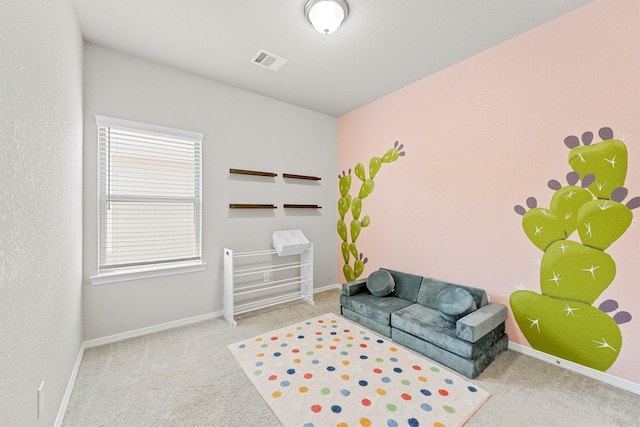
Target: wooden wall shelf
(307, 177)
(250, 172)
(290, 206)
(250, 206)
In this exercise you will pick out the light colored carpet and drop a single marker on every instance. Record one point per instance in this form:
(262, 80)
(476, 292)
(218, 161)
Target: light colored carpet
(328, 371)
(187, 377)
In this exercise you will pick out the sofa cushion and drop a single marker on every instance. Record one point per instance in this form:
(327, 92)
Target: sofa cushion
(482, 321)
(471, 368)
(376, 308)
(454, 303)
(366, 322)
(355, 287)
(380, 283)
(407, 285)
(427, 324)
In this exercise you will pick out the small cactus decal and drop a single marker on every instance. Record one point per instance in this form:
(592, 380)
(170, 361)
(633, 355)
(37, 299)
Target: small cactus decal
(561, 320)
(349, 231)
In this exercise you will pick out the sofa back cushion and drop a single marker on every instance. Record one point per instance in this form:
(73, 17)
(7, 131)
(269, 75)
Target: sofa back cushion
(431, 288)
(407, 285)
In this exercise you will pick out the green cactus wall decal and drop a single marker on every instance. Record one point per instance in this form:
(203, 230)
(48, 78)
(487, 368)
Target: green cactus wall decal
(561, 319)
(349, 231)
(607, 160)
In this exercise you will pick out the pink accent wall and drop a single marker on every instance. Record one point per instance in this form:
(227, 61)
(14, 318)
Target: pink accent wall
(485, 134)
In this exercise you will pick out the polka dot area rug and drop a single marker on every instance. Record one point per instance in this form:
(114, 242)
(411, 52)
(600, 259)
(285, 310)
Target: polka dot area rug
(328, 371)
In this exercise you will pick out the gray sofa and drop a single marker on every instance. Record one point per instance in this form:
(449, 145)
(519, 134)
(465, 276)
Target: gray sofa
(452, 324)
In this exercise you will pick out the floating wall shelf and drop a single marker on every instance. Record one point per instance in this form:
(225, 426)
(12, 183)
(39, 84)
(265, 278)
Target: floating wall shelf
(271, 174)
(250, 206)
(290, 206)
(307, 177)
(250, 172)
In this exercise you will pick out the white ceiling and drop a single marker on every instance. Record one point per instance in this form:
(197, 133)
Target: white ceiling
(382, 46)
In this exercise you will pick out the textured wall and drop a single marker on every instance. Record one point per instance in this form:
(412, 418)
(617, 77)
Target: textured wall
(40, 206)
(241, 130)
(485, 134)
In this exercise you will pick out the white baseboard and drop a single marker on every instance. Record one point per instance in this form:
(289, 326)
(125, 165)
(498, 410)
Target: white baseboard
(170, 325)
(576, 367)
(150, 330)
(67, 393)
(327, 288)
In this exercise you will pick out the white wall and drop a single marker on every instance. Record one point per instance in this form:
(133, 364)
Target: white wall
(40, 206)
(242, 130)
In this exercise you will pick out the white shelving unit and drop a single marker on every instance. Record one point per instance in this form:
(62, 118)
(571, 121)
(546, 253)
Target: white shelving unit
(255, 283)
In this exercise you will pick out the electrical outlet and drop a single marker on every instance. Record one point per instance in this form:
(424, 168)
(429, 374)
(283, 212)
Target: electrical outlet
(267, 276)
(40, 399)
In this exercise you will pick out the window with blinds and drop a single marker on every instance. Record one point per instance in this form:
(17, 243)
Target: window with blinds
(150, 195)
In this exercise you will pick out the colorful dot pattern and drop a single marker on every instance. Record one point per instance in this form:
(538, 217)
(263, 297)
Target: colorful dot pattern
(328, 371)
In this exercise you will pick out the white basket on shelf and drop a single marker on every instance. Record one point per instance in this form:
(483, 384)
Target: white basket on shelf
(290, 242)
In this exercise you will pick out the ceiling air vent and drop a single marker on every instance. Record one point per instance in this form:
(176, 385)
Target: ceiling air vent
(268, 60)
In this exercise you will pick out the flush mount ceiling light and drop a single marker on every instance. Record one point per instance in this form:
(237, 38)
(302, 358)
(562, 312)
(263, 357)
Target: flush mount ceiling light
(326, 15)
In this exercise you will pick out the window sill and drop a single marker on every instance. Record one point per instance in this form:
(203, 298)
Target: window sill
(104, 279)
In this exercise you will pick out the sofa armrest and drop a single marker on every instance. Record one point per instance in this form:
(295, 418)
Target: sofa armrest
(479, 323)
(355, 287)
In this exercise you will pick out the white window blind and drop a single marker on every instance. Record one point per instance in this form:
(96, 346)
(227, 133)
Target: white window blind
(150, 195)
